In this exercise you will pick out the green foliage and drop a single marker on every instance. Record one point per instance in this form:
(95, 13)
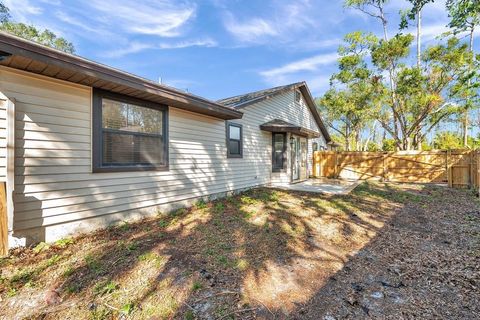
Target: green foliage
(373, 147)
(219, 207)
(189, 315)
(30, 32)
(94, 264)
(53, 260)
(105, 287)
(448, 140)
(352, 102)
(389, 145)
(385, 53)
(63, 243)
(4, 13)
(127, 308)
(464, 14)
(201, 204)
(410, 15)
(196, 286)
(42, 246)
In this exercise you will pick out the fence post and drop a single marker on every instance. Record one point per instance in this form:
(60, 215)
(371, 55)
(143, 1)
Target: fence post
(471, 175)
(478, 172)
(446, 165)
(449, 169)
(336, 165)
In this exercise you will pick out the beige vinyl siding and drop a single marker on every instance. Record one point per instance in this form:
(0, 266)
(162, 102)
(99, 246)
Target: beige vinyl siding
(55, 189)
(284, 107)
(321, 140)
(57, 194)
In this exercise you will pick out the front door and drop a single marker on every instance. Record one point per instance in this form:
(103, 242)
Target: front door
(299, 158)
(296, 159)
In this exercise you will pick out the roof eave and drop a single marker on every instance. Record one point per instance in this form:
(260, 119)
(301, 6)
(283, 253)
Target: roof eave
(27, 49)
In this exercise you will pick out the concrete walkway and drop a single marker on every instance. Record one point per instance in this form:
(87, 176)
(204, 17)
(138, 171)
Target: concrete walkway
(322, 185)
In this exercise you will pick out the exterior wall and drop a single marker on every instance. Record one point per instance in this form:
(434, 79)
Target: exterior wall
(321, 140)
(284, 107)
(57, 194)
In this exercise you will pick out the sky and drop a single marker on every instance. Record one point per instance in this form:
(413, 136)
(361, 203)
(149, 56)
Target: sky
(215, 48)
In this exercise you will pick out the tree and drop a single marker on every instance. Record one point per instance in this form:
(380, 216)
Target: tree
(415, 14)
(349, 104)
(419, 97)
(465, 17)
(447, 140)
(359, 91)
(376, 9)
(388, 145)
(29, 32)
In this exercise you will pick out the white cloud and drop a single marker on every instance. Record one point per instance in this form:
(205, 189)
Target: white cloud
(63, 16)
(308, 64)
(163, 18)
(52, 2)
(21, 9)
(430, 32)
(251, 30)
(135, 47)
(282, 22)
(315, 71)
(189, 43)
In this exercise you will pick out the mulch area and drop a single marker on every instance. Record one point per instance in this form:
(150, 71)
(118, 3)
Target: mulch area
(424, 264)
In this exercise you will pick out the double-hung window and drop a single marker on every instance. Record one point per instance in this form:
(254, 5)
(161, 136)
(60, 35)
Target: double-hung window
(234, 140)
(128, 134)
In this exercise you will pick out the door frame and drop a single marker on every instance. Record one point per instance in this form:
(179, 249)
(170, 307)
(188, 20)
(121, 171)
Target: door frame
(296, 159)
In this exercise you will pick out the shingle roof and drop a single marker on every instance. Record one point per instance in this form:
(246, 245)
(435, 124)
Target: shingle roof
(277, 125)
(248, 98)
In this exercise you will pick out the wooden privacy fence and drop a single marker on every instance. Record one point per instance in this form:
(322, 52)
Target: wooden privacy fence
(458, 168)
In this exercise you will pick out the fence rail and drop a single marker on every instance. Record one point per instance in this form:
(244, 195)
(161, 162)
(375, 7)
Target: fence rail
(458, 168)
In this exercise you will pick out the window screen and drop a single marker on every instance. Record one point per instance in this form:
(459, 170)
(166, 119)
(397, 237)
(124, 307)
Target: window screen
(234, 140)
(132, 135)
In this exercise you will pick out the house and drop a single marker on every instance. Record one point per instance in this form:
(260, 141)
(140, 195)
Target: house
(85, 145)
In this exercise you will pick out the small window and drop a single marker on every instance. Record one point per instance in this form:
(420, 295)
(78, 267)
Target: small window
(298, 96)
(315, 146)
(234, 140)
(128, 134)
(279, 147)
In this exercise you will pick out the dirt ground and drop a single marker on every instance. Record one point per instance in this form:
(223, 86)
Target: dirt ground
(383, 252)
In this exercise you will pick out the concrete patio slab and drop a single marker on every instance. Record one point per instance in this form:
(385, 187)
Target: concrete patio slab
(322, 185)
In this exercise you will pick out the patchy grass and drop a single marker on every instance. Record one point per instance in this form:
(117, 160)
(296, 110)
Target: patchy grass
(261, 253)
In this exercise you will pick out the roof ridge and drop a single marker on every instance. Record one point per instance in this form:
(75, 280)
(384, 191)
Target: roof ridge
(270, 90)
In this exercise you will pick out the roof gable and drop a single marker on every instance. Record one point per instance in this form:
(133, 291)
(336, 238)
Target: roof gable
(244, 100)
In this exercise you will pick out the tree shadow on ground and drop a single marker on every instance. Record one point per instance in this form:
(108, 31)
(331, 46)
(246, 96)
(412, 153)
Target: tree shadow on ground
(261, 253)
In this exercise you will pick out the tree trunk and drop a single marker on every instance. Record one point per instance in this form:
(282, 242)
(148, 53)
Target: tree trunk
(356, 136)
(467, 109)
(419, 36)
